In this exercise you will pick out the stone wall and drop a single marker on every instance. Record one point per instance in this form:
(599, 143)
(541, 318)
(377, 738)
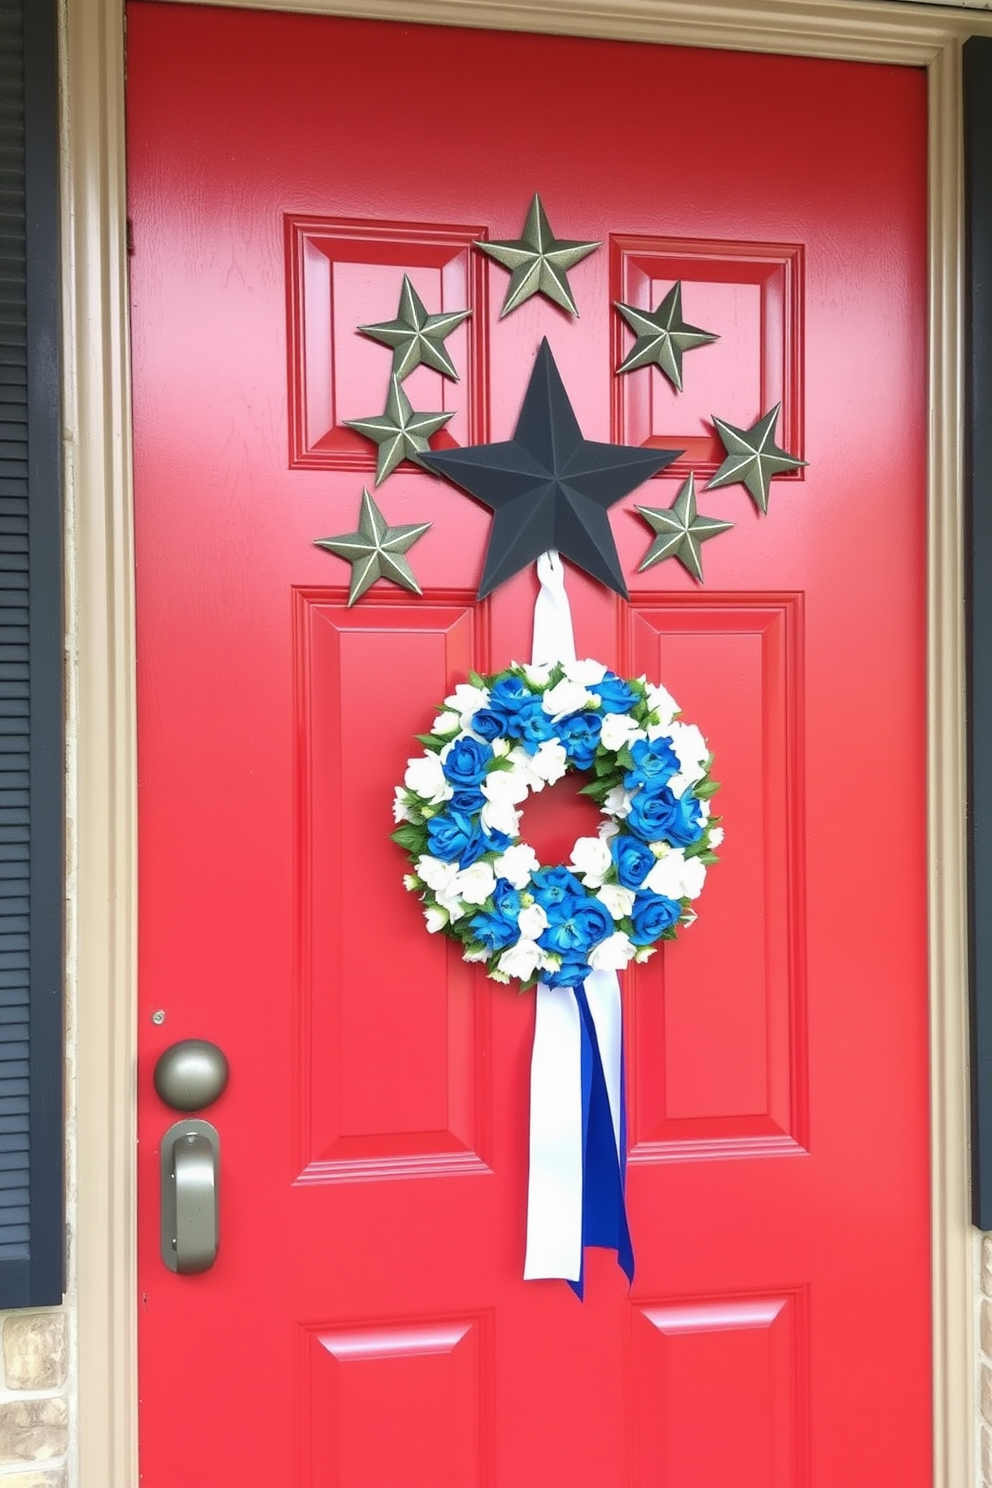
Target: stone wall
(34, 1412)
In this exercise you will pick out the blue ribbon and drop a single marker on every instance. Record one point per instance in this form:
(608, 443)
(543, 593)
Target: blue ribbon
(604, 1169)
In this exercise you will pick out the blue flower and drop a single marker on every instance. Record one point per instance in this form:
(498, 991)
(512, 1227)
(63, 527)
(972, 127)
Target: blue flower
(467, 802)
(466, 762)
(656, 812)
(617, 695)
(573, 935)
(652, 914)
(506, 899)
(455, 838)
(531, 725)
(555, 890)
(489, 724)
(496, 842)
(655, 761)
(495, 931)
(633, 858)
(579, 732)
(569, 974)
(507, 695)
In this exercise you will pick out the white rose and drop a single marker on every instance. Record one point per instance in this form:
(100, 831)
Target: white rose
(716, 836)
(425, 777)
(481, 954)
(619, 729)
(501, 748)
(516, 865)
(660, 701)
(475, 883)
(591, 860)
(613, 953)
(676, 876)
(550, 762)
(521, 960)
(617, 801)
(501, 816)
(466, 702)
(691, 750)
(565, 697)
(505, 785)
(587, 672)
(436, 918)
(446, 724)
(607, 830)
(644, 953)
(435, 873)
(537, 673)
(453, 906)
(401, 810)
(618, 900)
(532, 921)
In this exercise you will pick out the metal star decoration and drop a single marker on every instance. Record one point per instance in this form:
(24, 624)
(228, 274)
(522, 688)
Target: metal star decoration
(753, 457)
(400, 433)
(680, 530)
(376, 550)
(538, 261)
(417, 337)
(662, 336)
(549, 487)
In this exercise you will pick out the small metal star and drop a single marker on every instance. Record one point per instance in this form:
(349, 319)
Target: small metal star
(753, 457)
(681, 532)
(376, 550)
(662, 337)
(538, 261)
(400, 433)
(416, 336)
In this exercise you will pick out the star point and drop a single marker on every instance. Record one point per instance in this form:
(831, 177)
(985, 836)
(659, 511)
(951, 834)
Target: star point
(538, 261)
(399, 432)
(416, 337)
(548, 486)
(753, 457)
(376, 550)
(680, 531)
(663, 337)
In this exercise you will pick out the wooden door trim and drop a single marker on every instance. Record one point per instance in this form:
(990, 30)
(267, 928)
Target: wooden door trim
(101, 837)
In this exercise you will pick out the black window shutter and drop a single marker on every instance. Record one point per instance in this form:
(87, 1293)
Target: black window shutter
(32, 1245)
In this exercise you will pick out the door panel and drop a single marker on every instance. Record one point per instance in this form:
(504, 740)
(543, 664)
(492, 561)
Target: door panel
(366, 1325)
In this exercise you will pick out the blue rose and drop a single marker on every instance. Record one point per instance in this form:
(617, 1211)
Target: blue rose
(531, 725)
(495, 931)
(466, 762)
(655, 762)
(489, 724)
(656, 812)
(573, 936)
(455, 839)
(652, 914)
(506, 899)
(555, 889)
(633, 859)
(579, 732)
(467, 802)
(569, 974)
(506, 695)
(617, 695)
(496, 842)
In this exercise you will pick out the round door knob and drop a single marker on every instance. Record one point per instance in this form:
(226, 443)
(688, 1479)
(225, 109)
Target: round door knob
(191, 1074)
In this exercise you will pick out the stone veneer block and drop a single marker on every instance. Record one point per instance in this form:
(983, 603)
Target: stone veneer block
(987, 1393)
(986, 1454)
(33, 1429)
(34, 1350)
(987, 1265)
(56, 1479)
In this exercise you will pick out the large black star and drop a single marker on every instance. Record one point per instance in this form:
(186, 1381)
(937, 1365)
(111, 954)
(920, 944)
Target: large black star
(549, 487)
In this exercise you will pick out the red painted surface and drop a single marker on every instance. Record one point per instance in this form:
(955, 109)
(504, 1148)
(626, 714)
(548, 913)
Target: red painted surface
(366, 1325)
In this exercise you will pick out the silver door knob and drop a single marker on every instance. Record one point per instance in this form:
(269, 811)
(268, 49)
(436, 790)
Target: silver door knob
(191, 1074)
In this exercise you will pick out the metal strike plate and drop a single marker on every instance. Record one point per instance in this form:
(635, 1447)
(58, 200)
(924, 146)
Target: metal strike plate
(190, 1206)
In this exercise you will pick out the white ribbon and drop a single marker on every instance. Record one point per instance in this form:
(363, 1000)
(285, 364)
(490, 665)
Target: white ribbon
(554, 1189)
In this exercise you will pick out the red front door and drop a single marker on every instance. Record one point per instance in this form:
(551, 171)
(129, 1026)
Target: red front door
(366, 1324)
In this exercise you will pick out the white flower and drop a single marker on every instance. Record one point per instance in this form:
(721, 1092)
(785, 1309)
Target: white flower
(501, 816)
(532, 921)
(521, 960)
(453, 906)
(591, 860)
(411, 881)
(716, 836)
(613, 953)
(660, 701)
(566, 697)
(587, 672)
(479, 954)
(676, 876)
(644, 953)
(607, 830)
(524, 766)
(425, 777)
(537, 673)
(550, 761)
(435, 873)
(516, 865)
(504, 785)
(501, 748)
(618, 900)
(446, 724)
(401, 809)
(436, 918)
(691, 749)
(466, 701)
(619, 729)
(475, 883)
(617, 802)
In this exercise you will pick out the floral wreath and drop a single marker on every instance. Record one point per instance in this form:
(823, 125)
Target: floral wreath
(496, 739)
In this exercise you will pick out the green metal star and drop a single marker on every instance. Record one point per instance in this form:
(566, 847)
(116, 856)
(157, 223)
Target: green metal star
(538, 261)
(416, 336)
(376, 550)
(753, 457)
(662, 337)
(681, 531)
(400, 433)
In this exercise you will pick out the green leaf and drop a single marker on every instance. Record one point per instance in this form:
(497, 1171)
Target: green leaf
(708, 857)
(431, 742)
(625, 759)
(696, 849)
(410, 837)
(707, 789)
(476, 680)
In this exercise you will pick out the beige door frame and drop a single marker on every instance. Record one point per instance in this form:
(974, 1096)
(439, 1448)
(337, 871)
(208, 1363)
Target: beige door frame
(101, 868)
